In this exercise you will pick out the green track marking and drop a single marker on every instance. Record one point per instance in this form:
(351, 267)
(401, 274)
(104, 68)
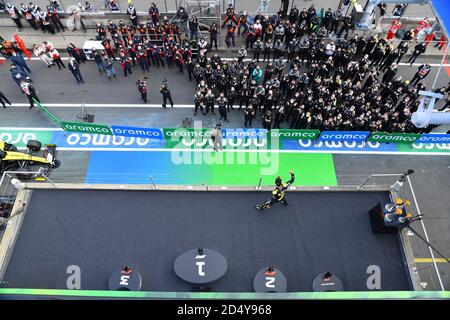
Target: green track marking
(247, 168)
(225, 295)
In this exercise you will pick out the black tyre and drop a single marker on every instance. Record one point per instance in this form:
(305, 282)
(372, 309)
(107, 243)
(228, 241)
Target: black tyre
(34, 145)
(24, 175)
(57, 164)
(10, 167)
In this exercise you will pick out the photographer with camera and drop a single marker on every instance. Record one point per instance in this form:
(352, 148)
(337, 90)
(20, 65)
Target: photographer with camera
(217, 137)
(166, 93)
(142, 88)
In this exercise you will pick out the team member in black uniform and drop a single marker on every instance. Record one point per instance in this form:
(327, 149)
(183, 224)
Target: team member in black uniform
(278, 193)
(166, 93)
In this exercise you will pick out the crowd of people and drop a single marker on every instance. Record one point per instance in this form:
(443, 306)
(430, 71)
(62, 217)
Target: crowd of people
(312, 82)
(159, 44)
(48, 19)
(318, 74)
(324, 90)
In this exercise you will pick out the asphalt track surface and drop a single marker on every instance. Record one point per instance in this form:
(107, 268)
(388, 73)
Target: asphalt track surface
(431, 179)
(102, 230)
(60, 87)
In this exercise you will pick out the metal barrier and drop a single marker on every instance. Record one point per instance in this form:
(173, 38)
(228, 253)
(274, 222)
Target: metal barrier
(10, 183)
(7, 197)
(344, 182)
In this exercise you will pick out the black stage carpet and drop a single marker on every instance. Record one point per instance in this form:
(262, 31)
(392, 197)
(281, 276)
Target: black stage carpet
(100, 231)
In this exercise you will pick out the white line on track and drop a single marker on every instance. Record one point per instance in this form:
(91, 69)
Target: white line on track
(426, 235)
(104, 105)
(229, 59)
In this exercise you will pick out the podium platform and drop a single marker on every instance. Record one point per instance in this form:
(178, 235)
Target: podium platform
(377, 223)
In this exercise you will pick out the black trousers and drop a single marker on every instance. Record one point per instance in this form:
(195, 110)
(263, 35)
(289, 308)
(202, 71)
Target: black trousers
(243, 101)
(223, 113)
(133, 58)
(276, 54)
(196, 106)
(159, 61)
(32, 24)
(77, 74)
(272, 201)
(144, 96)
(180, 66)
(213, 40)
(248, 122)
(3, 99)
(18, 23)
(30, 99)
(230, 104)
(59, 63)
(276, 123)
(144, 65)
(334, 26)
(415, 80)
(413, 58)
(126, 70)
(446, 105)
(209, 106)
(49, 28)
(83, 27)
(59, 26)
(165, 98)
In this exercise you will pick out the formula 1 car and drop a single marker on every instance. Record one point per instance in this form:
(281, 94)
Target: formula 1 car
(29, 161)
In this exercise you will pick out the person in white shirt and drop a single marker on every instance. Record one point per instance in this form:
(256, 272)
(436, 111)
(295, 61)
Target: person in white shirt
(77, 18)
(40, 52)
(14, 14)
(203, 45)
(48, 46)
(330, 48)
(28, 89)
(258, 28)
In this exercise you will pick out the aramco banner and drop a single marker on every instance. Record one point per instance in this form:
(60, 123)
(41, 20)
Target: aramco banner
(383, 137)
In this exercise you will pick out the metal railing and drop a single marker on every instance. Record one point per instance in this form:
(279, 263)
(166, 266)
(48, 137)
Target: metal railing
(349, 181)
(10, 183)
